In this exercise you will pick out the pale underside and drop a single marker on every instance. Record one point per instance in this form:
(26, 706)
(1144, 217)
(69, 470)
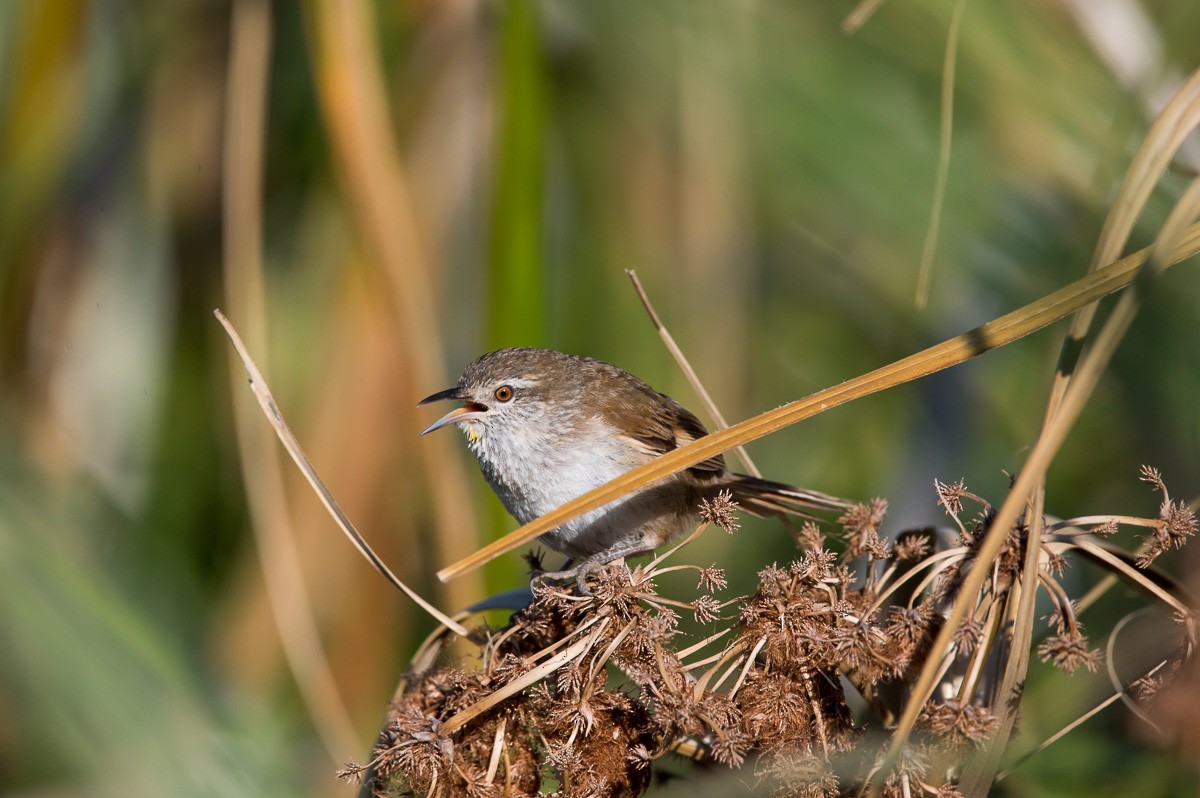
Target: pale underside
(542, 472)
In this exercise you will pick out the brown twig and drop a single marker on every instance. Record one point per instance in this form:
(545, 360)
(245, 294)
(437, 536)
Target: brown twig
(259, 386)
(686, 366)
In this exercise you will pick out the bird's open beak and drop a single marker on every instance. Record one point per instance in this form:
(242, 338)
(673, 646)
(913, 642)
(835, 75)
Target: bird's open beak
(465, 413)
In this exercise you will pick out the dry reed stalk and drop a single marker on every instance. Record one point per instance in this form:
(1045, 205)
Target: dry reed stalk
(262, 393)
(290, 602)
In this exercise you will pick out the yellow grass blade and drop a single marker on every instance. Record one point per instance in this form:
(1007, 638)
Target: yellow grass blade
(994, 334)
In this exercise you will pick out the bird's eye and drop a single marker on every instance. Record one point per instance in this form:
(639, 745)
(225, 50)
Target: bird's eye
(504, 393)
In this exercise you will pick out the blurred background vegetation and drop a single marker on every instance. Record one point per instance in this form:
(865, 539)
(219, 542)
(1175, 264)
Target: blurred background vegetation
(378, 192)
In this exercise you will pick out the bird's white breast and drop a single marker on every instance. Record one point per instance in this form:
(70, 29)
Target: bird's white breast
(534, 469)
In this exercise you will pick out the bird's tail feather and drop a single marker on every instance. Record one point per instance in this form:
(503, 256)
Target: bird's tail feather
(762, 497)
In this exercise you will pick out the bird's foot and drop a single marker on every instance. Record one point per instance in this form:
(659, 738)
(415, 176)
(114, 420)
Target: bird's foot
(591, 565)
(579, 573)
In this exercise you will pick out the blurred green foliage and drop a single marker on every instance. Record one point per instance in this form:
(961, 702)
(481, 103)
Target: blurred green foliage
(767, 175)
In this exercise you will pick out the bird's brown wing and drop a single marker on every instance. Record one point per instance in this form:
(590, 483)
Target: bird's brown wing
(663, 425)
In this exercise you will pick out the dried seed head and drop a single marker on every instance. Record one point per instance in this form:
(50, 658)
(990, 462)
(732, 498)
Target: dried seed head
(1178, 523)
(912, 546)
(1069, 651)
(950, 495)
(706, 609)
(351, 772)
(721, 511)
(811, 536)
(1055, 563)
(1153, 477)
(969, 635)
(712, 578)
(959, 724)
(862, 523)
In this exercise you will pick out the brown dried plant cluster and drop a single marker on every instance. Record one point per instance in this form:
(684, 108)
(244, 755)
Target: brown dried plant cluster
(796, 685)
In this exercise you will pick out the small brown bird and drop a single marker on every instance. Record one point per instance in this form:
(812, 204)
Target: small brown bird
(547, 427)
